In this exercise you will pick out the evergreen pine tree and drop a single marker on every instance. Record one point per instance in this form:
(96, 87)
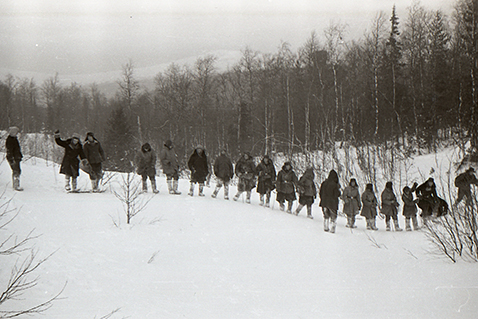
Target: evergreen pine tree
(119, 142)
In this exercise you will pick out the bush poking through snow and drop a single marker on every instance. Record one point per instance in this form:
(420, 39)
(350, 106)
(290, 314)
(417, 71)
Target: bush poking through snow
(130, 195)
(455, 234)
(23, 272)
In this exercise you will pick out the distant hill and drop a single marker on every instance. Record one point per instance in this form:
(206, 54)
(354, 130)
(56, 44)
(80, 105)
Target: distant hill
(106, 81)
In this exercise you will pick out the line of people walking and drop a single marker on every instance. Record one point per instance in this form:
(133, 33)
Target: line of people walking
(263, 177)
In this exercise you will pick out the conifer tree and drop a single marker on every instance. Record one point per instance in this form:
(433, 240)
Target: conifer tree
(119, 141)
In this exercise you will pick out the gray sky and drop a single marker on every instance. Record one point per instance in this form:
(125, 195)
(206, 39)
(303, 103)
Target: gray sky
(74, 37)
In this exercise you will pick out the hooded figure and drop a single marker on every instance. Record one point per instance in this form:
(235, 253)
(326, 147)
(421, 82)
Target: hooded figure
(286, 184)
(14, 156)
(145, 161)
(427, 198)
(246, 171)
(70, 164)
(329, 200)
(463, 182)
(352, 203)
(369, 207)
(390, 206)
(198, 166)
(170, 165)
(266, 177)
(410, 207)
(307, 191)
(95, 155)
(224, 171)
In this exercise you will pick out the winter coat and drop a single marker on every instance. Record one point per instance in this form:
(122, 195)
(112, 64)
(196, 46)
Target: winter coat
(246, 170)
(306, 184)
(169, 161)
(286, 181)
(330, 192)
(198, 166)
(389, 202)
(351, 198)
(94, 152)
(70, 164)
(266, 177)
(369, 207)
(464, 180)
(409, 207)
(14, 153)
(427, 196)
(223, 168)
(145, 162)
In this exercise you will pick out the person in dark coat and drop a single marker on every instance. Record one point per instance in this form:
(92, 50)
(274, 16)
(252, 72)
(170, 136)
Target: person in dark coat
(170, 165)
(266, 177)
(463, 182)
(199, 168)
(145, 161)
(224, 171)
(369, 207)
(307, 191)
(246, 172)
(286, 185)
(427, 198)
(70, 164)
(14, 156)
(352, 203)
(390, 206)
(410, 207)
(95, 155)
(329, 200)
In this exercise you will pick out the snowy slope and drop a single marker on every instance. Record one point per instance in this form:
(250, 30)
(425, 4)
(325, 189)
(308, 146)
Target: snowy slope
(192, 257)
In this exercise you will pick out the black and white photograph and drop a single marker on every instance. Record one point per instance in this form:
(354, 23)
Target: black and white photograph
(238, 159)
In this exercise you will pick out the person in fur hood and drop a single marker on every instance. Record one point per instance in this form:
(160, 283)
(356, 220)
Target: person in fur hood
(307, 191)
(286, 185)
(246, 172)
(145, 161)
(266, 178)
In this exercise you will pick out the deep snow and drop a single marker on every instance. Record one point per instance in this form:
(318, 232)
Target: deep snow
(193, 257)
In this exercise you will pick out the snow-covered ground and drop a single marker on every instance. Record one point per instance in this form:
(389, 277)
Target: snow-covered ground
(192, 257)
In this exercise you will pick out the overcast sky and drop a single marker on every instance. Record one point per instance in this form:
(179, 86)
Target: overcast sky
(91, 36)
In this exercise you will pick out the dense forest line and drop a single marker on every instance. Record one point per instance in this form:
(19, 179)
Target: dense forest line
(408, 83)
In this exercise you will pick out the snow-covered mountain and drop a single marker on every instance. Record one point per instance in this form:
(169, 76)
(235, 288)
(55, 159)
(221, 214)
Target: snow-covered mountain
(198, 257)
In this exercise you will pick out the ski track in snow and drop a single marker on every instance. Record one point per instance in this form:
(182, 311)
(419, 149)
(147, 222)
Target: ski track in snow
(193, 257)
